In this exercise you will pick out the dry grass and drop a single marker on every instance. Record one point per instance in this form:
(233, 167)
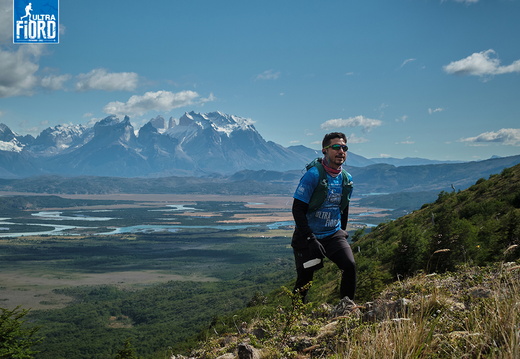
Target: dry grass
(473, 313)
(449, 319)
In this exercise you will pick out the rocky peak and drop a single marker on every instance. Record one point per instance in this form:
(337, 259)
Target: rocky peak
(111, 128)
(5, 133)
(159, 123)
(8, 140)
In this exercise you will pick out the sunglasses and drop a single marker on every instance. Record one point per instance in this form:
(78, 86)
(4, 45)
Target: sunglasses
(337, 147)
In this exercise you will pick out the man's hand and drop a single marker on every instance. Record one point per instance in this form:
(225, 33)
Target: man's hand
(316, 247)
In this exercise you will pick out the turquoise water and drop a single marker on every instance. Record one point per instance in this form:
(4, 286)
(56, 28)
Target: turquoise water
(84, 217)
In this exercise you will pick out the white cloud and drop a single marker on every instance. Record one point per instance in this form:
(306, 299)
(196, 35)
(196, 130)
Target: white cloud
(433, 110)
(155, 101)
(269, 75)
(483, 63)
(55, 82)
(506, 136)
(17, 70)
(352, 138)
(358, 121)
(18, 63)
(101, 79)
(405, 62)
(6, 21)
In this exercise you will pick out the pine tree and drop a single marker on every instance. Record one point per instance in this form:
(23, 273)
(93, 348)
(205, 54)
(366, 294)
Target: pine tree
(16, 340)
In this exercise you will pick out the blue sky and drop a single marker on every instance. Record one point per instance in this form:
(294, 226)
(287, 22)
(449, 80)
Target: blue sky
(437, 79)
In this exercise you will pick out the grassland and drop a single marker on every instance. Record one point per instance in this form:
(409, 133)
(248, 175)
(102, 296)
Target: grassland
(132, 285)
(33, 266)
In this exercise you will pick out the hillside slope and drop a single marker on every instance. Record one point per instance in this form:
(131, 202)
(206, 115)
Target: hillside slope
(440, 282)
(474, 226)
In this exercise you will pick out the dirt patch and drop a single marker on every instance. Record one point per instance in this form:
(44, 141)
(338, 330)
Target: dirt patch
(259, 218)
(31, 290)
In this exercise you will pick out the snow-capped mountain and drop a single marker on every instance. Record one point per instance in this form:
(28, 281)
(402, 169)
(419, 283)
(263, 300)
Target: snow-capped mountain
(112, 150)
(195, 144)
(213, 142)
(57, 139)
(9, 141)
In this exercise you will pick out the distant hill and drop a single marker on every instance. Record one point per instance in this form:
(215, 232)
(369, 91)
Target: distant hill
(409, 161)
(375, 179)
(384, 178)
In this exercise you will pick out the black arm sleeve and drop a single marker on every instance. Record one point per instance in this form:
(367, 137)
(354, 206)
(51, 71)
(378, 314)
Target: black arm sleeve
(344, 218)
(299, 211)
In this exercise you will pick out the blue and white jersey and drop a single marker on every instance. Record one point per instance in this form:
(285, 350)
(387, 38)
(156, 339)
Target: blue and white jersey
(327, 219)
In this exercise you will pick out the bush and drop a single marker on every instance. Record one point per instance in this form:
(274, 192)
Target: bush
(16, 340)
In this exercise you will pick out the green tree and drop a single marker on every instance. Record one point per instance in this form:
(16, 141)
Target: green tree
(410, 253)
(127, 352)
(16, 340)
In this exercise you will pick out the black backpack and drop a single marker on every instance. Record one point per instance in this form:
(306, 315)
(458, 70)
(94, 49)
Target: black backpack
(322, 189)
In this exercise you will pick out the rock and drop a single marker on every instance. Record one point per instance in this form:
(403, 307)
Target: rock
(246, 351)
(345, 307)
(300, 344)
(478, 292)
(383, 309)
(328, 330)
(227, 356)
(259, 333)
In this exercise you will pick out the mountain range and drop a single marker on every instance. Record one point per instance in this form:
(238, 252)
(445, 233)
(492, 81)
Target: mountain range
(195, 144)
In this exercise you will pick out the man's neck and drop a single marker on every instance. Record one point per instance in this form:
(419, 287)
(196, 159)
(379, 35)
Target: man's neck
(331, 168)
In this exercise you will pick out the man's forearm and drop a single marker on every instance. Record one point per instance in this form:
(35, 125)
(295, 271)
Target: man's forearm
(299, 211)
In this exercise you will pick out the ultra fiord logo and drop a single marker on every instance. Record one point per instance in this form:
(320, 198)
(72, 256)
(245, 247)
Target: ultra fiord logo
(35, 21)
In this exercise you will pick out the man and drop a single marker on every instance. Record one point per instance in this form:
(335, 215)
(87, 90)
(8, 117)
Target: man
(320, 211)
(28, 10)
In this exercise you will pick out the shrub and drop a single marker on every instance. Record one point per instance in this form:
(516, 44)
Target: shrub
(16, 340)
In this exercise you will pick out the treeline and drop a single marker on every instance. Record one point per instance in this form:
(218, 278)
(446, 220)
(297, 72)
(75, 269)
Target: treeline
(156, 320)
(179, 185)
(474, 227)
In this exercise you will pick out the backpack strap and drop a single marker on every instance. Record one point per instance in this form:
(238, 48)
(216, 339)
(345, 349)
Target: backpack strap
(322, 188)
(346, 190)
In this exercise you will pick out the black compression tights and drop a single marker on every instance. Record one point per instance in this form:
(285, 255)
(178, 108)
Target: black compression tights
(344, 259)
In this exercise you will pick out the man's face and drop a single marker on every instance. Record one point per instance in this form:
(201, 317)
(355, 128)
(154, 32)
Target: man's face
(335, 158)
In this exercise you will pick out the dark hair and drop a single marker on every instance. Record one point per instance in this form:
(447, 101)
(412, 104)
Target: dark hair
(329, 136)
